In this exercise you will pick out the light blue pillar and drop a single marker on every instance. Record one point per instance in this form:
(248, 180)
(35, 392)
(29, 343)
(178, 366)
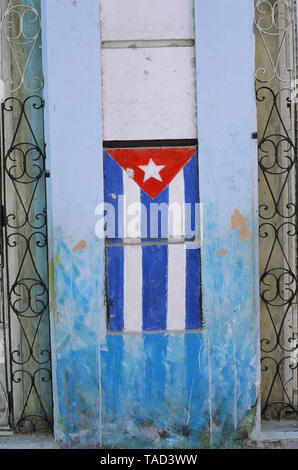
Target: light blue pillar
(71, 56)
(228, 182)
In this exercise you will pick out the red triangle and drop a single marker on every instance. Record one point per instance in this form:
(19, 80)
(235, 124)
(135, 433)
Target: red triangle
(169, 160)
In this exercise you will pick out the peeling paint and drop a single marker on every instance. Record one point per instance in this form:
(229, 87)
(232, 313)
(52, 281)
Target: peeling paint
(80, 246)
(237, 220)
(221, 252)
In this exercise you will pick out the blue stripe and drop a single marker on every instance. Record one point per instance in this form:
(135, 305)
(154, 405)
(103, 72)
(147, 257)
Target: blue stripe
(191, 185)
(193, 290)
(113, 178)
(193, 274)
(115, 287)
(157, 226)
(155, 287)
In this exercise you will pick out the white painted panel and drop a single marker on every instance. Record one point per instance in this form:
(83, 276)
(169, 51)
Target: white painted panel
(176, 287)
(146, 19)
(149, 93)
(133, 286)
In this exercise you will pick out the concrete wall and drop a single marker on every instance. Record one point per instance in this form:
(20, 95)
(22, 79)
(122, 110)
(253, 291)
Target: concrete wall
(148, 70)
(146, 19)
(228, 182)
(161, 390)
(73, 133)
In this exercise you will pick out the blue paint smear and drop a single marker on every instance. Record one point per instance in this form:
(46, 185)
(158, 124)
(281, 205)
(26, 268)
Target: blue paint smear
(115, 287)
(155, 350)
(159, 399)
(155, 282)
(74, 282)
(111, 381)
(191, 384)
(197, 381)
(79, 406)
(76, 371)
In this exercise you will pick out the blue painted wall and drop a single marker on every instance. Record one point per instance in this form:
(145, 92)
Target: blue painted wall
(71, 53)
(156, 390)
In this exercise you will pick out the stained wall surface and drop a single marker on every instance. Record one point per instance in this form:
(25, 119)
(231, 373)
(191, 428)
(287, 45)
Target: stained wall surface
(186, 390)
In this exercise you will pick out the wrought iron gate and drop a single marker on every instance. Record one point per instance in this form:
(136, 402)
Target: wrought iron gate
(275, 79)
(25, 361)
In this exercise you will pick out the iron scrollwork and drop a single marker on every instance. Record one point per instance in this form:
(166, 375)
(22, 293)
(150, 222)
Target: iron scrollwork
(275, 28)
(26, 241)
(23, 220)
(21, 28)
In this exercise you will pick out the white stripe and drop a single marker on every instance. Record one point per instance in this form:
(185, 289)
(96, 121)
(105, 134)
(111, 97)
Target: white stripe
(133, 208)
(133, 304)
(176, 207)
(176, 257)
(132, 259)
(176, 287)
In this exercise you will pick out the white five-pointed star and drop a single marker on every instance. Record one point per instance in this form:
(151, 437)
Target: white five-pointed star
(152, 170)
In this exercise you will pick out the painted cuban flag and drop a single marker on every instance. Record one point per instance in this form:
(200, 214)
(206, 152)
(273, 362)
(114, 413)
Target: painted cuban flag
(152, 249)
